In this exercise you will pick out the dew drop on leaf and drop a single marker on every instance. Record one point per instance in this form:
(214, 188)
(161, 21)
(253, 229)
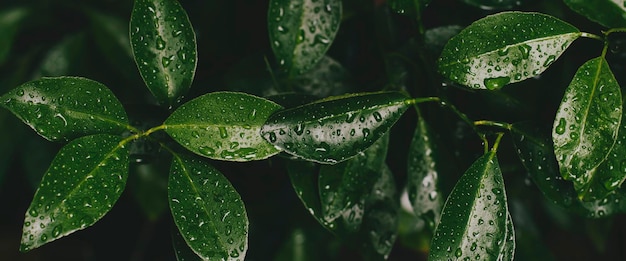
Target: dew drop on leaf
(497, 82)
(560, 129)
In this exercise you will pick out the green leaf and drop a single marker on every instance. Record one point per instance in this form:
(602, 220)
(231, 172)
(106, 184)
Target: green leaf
(10, 22)
(65, 108)
(64, 58)
(301, 31)
(223, 126)
(303, 177)
(112, 38)
(474, 219)
(608, 13)
(412, 8)
(328, 77)
(207, 210)
(148, 182)
(164, 45)
(83, 182)
(181, 249)
(505, 48)
(587, 121)
(495, 4)
(335, 129)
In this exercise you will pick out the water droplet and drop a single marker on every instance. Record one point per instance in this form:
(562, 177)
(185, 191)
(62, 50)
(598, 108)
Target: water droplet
(320, 39)
(458, 252)
(549, 61)
(56, 231)
(166, 61)
(234, 253)
(223, 132)
(366, 132)
(160, 43)
(299, 129)
(323, 147)
(300, 37)
(20, 92)
(560, 129)
(503, 52)
(350, 117)
(377, 116)
(525, 50)
(33, 212)
(44, 237)
(272, 137)
(496, 83)
(207, 151)
(474, 246)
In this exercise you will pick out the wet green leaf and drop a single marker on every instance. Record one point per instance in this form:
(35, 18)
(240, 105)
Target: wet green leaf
(587, 121)
(10, 22)
(64, 108)
(608, 13)
(181, 249)
(303, 177)
(148, 181)
(474, 219)
(327, 78)
(335, 129)
(505, 48)
(112, 38)
(164, 45)
(223, 126)
(301, 31)
(207, 210)
(411, 8)
(83, 182)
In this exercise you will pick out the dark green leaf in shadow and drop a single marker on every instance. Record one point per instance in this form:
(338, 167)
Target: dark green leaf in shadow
(303, 176)
(223, 126)
(83, 182)
(335, 129)
(64, 58)
(64, 108)
(505, 48)
(148, 181)
(181, 249)
(328, 77)
(608, 13)
(474, 219)
(112, 38)
(411, 8)
(10, 22)
(301, 31)
(587, 121)
(292, 99)
(495, 4)
(207, 210)
(300, 246)
(164, 46)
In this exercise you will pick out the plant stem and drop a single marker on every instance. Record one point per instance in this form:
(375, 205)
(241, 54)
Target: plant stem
(592, 36)
(503, 125)
(421, 100)
(497, 142)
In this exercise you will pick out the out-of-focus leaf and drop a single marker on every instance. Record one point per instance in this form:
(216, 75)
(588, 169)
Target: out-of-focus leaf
(164, 47)
(148, 181)
(505, 48)
(301, 31)
(223, 126)
(112, 38)
(475, 220)
(587, 121)
(292, 100)
(335, 129)
(328, 77)
(10, 23)
(207, 210)
(299, 246)
(411, 8)
(608, 13)
(303, 176)
(495, 4)
(64, 108)
(64, 58)
(83, 182)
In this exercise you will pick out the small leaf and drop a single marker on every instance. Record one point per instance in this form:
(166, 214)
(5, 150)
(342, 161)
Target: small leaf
(608, 13)
(411, 8)
(83, 182)
(474, 219)
(207, 210)
(223, 126)
(164, 45)
(587, 121)
(505, 48)
(335, 129)
(10, 22)
(64, 108)
(301, 31)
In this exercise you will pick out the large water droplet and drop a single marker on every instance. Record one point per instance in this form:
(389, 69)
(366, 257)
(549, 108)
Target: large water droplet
(525, 50)
(549, 61)
(299, 129)
(377, 116)
(300, 37)
(560, 128)
(223, 132)
(207, 151)
(160, 43)
(496, 83)
(272, 137)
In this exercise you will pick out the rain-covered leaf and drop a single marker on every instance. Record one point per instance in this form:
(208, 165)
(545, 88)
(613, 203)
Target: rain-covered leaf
(334, 129)
(223, 126)
(207, 210)
(609, 13)
(423, 173)
(10, 22)
(505, 48)
(112, 38)
(63, 58)
(474, 219)
(587, 121)
(301, 31)
(412, 8)
(495, 4)
(181, 249)
(83, 182)
(164, 45)
(64, 108)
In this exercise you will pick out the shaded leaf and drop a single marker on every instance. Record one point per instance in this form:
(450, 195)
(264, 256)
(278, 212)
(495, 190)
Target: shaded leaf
(303, 177)
(328, 77)
(301, 31)
(149, 186)
(587, 121)
(83, 182)
(10, 22)
(164, 45)
(63, 58)
(64, 108)
(181, 249)
(495, 4)
(505, 48)
(474, 219)
(348, 124)
(412, 8)
(292, 100)
(223, 126)
(112, 38)
(207, 210)
(608, 13)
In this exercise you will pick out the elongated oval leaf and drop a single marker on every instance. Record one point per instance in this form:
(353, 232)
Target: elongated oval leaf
(303, 177)
(474, 219)
(164, 45)
(505, 48)
(207, 210)
(333, 130)
(83, 182)
(223, 126)
(64, 108)
(609, 13)
(587, 121)
(10, 22)
(301, 31)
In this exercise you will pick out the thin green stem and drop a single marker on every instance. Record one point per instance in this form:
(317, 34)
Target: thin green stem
(422, 100)
(138, 134)
(503, 125)
(615, 30)
(497, 142)
(592, 36)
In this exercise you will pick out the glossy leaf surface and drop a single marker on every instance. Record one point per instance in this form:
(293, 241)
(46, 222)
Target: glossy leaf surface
(609, 13)
(301, 31)
(10, 22)
(64, 108)
(587, 121)
(335, 129)
(505, 48)
(164, 45)
(207, 210)
(223, 126)
(474, 219)
(83, 182)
